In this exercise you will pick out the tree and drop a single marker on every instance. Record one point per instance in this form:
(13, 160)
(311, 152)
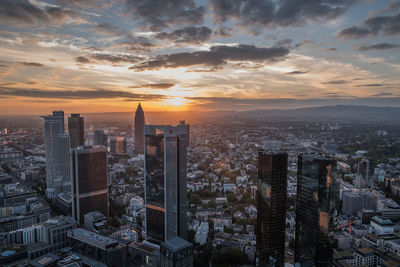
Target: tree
(6, 168)
(228, 256)
(212, 204)
(194, 199)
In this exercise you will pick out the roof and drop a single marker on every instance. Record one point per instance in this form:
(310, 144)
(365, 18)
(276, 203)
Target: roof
(91, 238)
(366, 251)
(176, 244)
(45, 260)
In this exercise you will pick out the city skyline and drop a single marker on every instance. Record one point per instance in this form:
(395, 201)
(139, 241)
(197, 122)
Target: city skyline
(196, 55)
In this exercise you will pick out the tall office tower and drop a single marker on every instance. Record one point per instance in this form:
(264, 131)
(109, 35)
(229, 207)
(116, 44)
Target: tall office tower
(121, 145)
(76, 130)
(271, 207)
(100, 139)
(139, 130)
(165, 182)
(315, 210)
(89, 182)
(363, 176)
(58, 177)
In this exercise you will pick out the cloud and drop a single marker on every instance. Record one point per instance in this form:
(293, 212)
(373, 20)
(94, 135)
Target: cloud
(387, 25)
(32, 64)
(383, 94)
(195, 35)
(78, 94)
(297, 72)
(114, 59)
(354, 32)
(127, 41)
(272, 13)
(332, 49)
(337, 82)
(154, 85)
(224, 31)
(216, 56)
(382, 46)
(24, 13)
(82, 60)
(159, 14)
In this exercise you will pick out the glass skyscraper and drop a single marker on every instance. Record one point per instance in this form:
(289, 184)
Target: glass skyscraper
(58, 178)
(315, 210)
(89, 181)
(165, 182)
(76, 130)
(271, 208)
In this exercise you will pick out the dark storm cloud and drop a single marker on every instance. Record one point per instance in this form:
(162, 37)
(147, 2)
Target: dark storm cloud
(297, 72)
(159, 14)
(155, 85)
(32, 64)
(277, 13)
(78, 94)
(22, 12)
(337, 82)
(382, 46)
(216, 56)
(387, 25)
(188, 35)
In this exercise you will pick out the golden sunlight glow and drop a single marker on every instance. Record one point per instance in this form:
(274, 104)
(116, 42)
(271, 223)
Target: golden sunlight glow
(176, 101)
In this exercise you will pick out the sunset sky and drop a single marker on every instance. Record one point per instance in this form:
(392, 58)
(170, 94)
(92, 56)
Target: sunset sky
(99, 56)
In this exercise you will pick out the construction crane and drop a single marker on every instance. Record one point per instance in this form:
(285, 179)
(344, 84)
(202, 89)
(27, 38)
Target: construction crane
(347, 224)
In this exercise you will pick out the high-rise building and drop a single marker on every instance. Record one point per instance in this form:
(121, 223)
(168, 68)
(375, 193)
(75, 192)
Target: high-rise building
(165, 182)
(364, 177)
(271, 207)
(89, 182)
(121, 145)
(76, 130)
(315, 210)
(58, 177)
(139, 130)
(99, 139)
(176, 252)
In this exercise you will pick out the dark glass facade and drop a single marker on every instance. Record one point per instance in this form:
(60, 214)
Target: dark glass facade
(90, 190)
(315, 210)
(76, 130)
(165, 182)
(155, 212)
(271, 207)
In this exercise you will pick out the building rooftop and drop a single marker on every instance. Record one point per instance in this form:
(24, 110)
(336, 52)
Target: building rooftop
(176, 244)
(366, 252)
(91, 238)
(45, 260)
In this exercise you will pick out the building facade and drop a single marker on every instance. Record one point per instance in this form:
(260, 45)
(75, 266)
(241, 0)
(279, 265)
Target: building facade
(271, 208)
(165, 182)
(76, 130)
(89, 182)
(99, 138)
(176, 252)
(315, 210)
(58, 178)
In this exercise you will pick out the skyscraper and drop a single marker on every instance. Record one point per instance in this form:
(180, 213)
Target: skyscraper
(271, 207)
(139, 130)
(58, 177)
(89, 181)
(165, 182)
(99, 138)
(76, 130)
(315, 210)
